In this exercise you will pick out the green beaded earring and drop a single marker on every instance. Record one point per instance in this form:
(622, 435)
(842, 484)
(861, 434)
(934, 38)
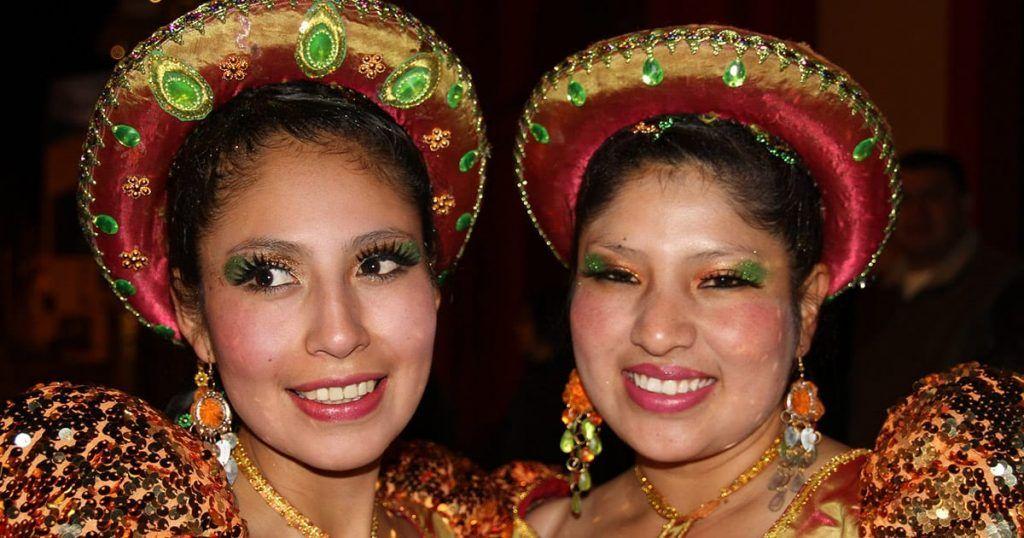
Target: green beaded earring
(580, 440)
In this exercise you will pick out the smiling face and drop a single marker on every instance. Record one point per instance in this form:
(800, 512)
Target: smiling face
(317, 306)
(683, 322)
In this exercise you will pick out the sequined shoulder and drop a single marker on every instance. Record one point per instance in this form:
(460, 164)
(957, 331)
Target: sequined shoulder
(76, 460)
(448, 495)
(950, 459)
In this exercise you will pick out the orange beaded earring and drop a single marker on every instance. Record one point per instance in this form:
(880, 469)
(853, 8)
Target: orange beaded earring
(210, 418)
(580, 440)
(799, 439)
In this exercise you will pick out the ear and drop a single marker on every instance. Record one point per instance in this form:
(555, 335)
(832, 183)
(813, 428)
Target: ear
(813, 293)
(437, 297)
(190, 322)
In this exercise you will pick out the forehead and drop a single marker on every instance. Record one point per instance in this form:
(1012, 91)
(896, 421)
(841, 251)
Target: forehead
(675, 208)
(310, 194)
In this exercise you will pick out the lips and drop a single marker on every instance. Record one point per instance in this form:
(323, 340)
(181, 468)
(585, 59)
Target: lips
(667, 389)
(345, 399)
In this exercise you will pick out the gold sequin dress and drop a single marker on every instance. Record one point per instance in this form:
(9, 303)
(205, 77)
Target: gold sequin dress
(89, 461)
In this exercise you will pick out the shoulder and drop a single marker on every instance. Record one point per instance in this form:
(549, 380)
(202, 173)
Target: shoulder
(420, 477)
(950, 457)
(549, 516)
(108, 460)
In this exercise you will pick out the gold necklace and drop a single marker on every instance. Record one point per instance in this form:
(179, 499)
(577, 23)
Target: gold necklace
(291, 515)
(679, 524)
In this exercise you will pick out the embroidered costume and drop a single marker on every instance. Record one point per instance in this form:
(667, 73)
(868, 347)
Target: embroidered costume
(949, 457)
(79, 461)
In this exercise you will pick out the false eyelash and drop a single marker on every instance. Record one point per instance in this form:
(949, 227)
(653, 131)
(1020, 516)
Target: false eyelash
(243, 269)
(404, 253)
(732, 274)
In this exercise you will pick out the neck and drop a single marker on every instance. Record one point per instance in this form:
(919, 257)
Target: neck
(340, 503)
(687, 485)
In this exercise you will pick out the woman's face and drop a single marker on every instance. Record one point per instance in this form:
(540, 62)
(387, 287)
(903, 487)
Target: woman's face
(318, 306)
(682, 319)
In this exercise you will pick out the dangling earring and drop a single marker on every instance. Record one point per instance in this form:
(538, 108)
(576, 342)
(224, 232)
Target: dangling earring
(580, 440)
(800, 438)
(210, 419)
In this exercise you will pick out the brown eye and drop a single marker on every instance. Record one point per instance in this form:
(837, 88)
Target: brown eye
(271, 277)
(377, 266)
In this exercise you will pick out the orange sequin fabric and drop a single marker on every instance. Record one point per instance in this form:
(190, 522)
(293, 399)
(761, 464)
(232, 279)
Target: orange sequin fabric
(88, 461)
(950, 459)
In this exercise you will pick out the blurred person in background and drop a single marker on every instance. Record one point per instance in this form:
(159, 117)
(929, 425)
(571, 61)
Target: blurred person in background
(932, 306)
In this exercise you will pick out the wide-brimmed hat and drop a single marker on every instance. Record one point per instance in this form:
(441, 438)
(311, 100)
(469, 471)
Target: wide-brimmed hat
(188, 68)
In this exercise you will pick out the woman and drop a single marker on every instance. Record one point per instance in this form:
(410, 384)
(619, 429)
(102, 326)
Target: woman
(281, 187)
(710, 188)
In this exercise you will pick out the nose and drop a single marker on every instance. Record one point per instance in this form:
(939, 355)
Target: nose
(664, 323)
(336, 328)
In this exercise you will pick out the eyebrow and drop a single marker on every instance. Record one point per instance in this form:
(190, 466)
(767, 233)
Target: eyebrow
(704, 255)
(290, 249)
(278, 246)
(370, 238)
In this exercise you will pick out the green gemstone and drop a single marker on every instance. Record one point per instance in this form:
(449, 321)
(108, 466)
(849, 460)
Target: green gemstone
(442, 277)
(320, 46)
(864, 149)
(468, 160)
(653, 74)
(463, 222)
(567, 442)
(735, 74)
(595, 446)
(589, 430)
(124, 288)
(576, 504)
(455, 95)
(540, 133)
(412, 82)
(182, 91)
(410, 85)
(185, 420)
(164, 331)
(584, 483)
(127, 135)
(106, 224)
(577, 94)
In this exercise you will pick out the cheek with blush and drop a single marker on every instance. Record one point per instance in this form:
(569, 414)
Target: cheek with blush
(750, 332)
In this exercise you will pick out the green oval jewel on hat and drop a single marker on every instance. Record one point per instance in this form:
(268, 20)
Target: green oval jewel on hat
(178, 88)
(863, 149)
(442, 277)
(735, 74)
(106, 224)
(411, 82)
(124, 288)
(653, 74)
(127, 135)
(322, 42)
(454, 96)
(468, 160)
(463, 222)
(540, 133)
(576, 93)
(164, 331)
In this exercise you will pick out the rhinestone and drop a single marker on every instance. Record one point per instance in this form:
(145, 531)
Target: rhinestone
(22, 440)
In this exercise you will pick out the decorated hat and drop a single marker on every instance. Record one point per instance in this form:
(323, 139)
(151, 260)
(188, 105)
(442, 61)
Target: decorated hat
(776, 87)
(174, 79)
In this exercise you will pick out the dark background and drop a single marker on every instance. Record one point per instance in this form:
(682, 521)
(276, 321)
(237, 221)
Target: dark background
(946, 73)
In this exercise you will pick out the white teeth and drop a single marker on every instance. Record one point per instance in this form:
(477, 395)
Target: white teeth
(668, 387)
(338, 395)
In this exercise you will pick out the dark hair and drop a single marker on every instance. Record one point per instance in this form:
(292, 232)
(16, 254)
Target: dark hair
(211, 164)
(767, 191)
(926, 159)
